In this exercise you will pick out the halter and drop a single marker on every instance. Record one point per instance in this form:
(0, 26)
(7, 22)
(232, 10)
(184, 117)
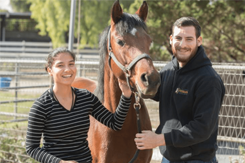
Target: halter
(125, 69)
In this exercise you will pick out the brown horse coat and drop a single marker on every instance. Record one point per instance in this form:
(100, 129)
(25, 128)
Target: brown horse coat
(129, 39)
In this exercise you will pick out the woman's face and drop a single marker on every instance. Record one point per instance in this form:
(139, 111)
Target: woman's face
(63, 69)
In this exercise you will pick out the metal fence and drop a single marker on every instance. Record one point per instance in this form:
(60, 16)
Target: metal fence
(39, 50)
(29, 81)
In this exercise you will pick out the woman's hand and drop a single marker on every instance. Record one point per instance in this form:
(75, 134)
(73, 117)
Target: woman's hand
(62, 161)
(126, 91)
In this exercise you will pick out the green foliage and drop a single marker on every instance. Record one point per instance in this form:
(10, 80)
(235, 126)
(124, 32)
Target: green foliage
(12, 145)
(19, 24)
(222, 25)
(224, 32)
(94, 18)
(242, 152)
(53, 17)
(20, 5)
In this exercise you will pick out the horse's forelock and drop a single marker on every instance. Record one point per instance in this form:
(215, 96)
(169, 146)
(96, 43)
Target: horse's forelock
(128, 22)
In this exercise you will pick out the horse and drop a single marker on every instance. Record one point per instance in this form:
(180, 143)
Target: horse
(81, 83)
(124, 48)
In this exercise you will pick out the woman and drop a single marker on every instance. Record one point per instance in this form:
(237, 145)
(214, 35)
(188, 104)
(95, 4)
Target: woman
(61, 115)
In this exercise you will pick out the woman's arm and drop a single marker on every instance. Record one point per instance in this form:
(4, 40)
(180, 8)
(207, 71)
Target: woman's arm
(36, 123)
(113, 120)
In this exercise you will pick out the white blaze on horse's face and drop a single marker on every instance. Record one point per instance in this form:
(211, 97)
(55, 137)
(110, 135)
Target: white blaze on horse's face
(133, 31)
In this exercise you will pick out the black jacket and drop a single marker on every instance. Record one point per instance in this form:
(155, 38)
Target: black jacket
(190, 100)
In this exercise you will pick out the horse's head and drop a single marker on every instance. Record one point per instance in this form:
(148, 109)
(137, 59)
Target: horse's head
(128, 49)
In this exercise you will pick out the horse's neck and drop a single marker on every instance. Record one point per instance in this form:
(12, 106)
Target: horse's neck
(112, 92)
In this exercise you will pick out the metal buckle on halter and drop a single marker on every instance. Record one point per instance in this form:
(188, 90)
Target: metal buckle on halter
(110, 51)
(137, 105)
(137, 100)
(127, 72)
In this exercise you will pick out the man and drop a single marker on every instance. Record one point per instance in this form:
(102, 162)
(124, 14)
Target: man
(190, 97)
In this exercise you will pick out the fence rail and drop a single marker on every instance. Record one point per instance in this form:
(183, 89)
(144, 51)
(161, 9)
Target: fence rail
(25, 87)
(9, 49)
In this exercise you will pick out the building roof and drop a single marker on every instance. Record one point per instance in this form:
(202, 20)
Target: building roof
(15, 15)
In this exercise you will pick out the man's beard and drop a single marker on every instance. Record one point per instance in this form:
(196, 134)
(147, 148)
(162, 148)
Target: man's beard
(184, 58)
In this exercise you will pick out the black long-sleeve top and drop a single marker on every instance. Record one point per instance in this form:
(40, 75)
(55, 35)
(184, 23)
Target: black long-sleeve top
(65, 132)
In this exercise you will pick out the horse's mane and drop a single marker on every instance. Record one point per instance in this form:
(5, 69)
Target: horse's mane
(125, 25)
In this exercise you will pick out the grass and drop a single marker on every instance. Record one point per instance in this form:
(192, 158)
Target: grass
(12, 135)
(12, 142)
(22, 107)
(21, 125)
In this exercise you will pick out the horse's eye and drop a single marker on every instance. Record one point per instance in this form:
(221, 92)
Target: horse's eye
(120, 42)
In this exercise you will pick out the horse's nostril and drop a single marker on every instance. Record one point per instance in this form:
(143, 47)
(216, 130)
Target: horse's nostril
(144, 79)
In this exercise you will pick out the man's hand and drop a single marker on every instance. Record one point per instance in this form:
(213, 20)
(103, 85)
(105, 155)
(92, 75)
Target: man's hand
(149, 140)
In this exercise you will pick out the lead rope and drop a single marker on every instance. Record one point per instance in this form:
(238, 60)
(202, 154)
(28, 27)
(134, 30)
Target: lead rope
(137, 107)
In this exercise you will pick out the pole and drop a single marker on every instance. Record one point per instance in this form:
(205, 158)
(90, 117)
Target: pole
(78, 36)
(16, 90)
(71, 28)
(3, 23)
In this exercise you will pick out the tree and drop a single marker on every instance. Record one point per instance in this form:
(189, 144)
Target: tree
(20, 6)
(222, 24)
(19, 24)
(53, 19)
(226, 32)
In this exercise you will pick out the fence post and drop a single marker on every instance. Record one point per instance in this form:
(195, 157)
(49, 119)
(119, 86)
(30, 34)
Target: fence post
(16, 90)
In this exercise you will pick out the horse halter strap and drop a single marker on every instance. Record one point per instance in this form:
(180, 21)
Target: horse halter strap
(125, 69)
(137, 107)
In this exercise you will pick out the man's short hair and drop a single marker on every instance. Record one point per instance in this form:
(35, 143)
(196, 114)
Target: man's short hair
(188, 21)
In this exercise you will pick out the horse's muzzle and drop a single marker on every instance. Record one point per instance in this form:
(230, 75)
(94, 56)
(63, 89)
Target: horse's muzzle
(150, 85)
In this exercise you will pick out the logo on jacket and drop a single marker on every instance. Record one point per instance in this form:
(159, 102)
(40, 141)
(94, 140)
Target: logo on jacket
(181, 91)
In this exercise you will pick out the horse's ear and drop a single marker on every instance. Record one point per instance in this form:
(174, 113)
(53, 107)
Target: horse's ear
(116, 12)
(143, 11)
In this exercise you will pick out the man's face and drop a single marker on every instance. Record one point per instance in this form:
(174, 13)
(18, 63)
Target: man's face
(184, 43)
